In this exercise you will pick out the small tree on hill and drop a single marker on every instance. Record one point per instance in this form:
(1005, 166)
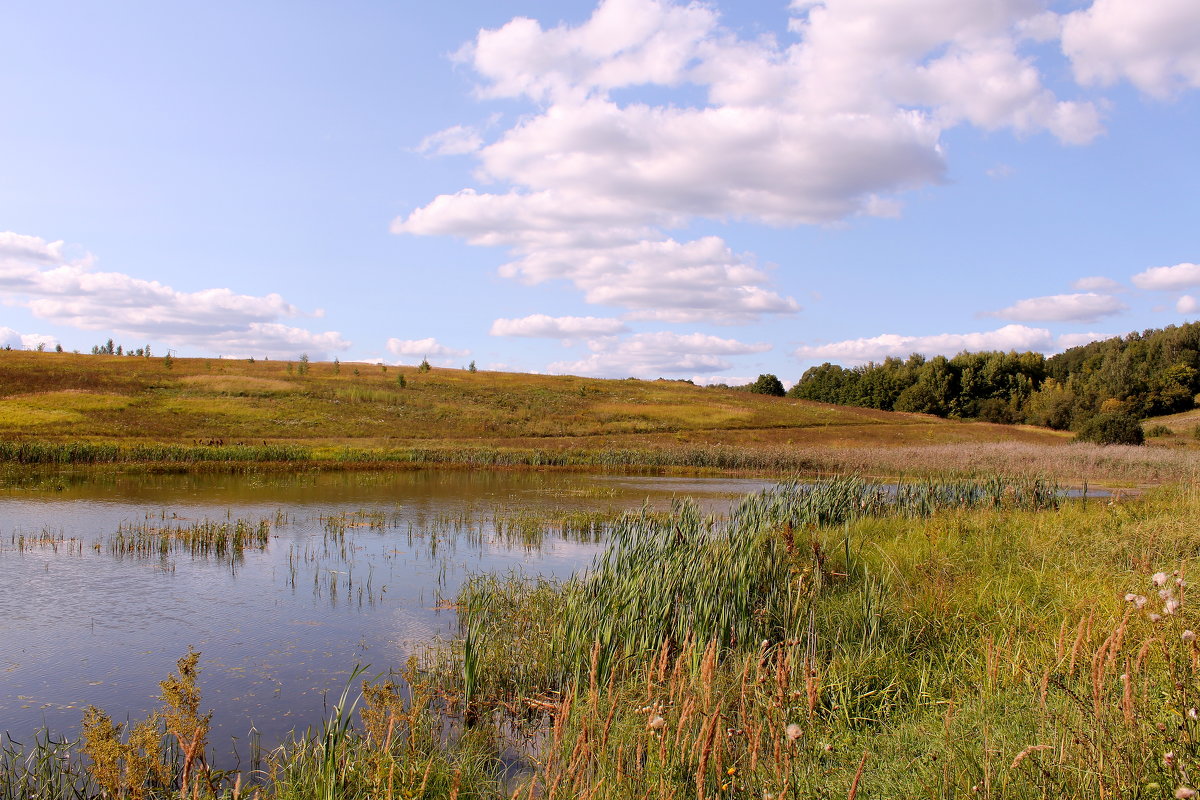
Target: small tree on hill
(767, 384)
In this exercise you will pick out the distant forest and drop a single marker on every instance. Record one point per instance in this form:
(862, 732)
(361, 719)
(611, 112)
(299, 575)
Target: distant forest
(1142, 375)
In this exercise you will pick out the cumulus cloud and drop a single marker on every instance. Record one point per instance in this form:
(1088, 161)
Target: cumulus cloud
(1155, 45)
(876, 348)
(651, 355)
(25, 341)
(1187, 304)
(1097, 283)
(833, 124)
(36, 274)
(422, 347)
(1180, 276)
(1080, 307)
(540, 325)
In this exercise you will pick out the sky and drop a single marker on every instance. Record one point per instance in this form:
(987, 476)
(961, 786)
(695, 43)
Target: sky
(628, 188)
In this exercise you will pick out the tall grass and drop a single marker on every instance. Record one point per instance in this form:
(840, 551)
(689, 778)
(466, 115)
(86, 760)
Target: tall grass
(1078, 462)
(33, 452)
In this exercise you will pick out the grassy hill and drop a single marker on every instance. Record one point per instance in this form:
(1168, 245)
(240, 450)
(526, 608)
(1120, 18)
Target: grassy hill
(64, 397)
(63, 408)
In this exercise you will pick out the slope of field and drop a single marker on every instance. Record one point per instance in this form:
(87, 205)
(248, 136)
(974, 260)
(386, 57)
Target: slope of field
(59, 397)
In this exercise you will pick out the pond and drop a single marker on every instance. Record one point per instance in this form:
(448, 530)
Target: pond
(106, 581)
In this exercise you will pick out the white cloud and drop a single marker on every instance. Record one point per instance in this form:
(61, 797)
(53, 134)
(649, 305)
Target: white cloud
(858, 351)
(35, 273)
(540, 325)
(1154, 44)
(1069, 340)
(422, 347)
(651, 355)
(457, 140)
(1097, 283)
(664, 280)
(1180, 276)
(730, 380)
(25, 341)
(1187, 304)
(831, 125)
(1080, 307)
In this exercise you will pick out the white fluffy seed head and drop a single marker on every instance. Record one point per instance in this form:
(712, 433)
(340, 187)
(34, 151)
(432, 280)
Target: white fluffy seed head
(1159, 578)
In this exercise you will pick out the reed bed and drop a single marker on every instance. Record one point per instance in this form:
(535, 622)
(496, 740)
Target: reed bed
(1075, 462)
(33, 452)
(223, 540)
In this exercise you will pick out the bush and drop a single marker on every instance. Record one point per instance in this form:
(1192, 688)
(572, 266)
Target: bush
(1114, 428)
(1158, 430)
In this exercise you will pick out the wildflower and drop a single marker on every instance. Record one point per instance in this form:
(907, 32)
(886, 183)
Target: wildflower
(1166, 594)
(1159, 578)
(1139, 601)
(656, 723)
(1193, 713)
(1188, 636)
(1184, 792)
(793, 732)
(731, 771)
(1130, 597)
(1170, 606)
(1155, 617)
(1169, 759)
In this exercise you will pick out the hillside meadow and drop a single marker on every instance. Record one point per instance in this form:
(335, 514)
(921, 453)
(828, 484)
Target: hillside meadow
(71, 408)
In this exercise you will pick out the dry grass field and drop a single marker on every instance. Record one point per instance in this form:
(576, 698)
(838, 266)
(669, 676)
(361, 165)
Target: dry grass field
(62, 396)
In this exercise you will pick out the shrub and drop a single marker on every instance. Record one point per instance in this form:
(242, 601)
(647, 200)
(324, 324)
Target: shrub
(1158, 430)
(1113, 428)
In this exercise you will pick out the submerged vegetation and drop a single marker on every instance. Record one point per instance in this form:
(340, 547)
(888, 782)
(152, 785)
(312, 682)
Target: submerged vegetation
(988, 638)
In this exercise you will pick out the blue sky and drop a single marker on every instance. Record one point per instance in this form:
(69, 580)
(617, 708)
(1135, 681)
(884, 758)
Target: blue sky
(629, 188)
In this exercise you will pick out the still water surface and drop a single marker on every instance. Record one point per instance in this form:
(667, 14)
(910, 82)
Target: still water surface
(282, 627)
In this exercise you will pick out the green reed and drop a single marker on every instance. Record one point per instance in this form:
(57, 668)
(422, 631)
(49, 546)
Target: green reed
(682, 577)
(223, 540)
(33, 452)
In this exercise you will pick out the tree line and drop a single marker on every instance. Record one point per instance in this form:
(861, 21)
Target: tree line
(1139, 375)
